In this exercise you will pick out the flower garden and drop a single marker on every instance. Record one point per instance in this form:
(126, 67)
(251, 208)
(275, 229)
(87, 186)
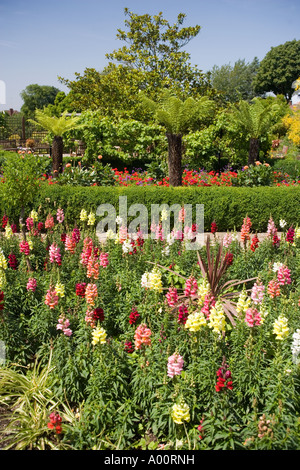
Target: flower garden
(139, 343)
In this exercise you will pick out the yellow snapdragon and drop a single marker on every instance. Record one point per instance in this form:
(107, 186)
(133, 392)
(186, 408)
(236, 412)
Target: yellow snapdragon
(203, 289)
(244, 302)
(83, 215)
(60, 289)
(3, 262)
(217, 320)
(195, 321)
(98, 335)
(91, 218)
(280, 328)
(180, 412)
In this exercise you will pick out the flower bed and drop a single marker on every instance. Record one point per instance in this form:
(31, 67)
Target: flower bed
(144, 344)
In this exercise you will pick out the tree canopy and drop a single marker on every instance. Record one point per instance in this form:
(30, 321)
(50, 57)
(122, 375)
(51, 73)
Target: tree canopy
(37, 97)
(152, 60)
(279, 69)
(235, 82)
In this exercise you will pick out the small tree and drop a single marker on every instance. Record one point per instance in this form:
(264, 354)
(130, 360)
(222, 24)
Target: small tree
(57, 126)
(254, 120)
(178, 117)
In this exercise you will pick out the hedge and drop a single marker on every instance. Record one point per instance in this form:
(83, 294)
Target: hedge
(226, 205)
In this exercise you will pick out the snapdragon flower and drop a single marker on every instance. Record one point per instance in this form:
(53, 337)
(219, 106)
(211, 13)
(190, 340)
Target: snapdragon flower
(3, 262)
(83, 215)
(217, 321)
(280, 328)
(295, 347)
(195, 321)
(98, 336)
(180, 412)
(91, 218)
(243, 303)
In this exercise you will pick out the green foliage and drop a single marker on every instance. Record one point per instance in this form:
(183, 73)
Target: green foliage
(227, 205)
(112, 399)
(57, 126)
(258, 175)
(279, 69)
(235, 81)
(154, 47)
(20, 183)
(37, 97)
(152, 61)
(178, 116)
(122, 141)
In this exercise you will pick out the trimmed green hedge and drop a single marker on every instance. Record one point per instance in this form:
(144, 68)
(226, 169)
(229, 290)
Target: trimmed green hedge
(226, 205)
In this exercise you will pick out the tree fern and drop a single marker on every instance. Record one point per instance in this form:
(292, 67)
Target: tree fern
(58, 126)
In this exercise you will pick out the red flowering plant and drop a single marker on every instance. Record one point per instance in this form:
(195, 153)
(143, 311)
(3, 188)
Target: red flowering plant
(224, 380)
(55, 422)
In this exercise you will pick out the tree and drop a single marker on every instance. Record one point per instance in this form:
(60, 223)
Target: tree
(36, 97)
(254, 120)
(178, 117)
(235, 82)
(155, 48)
(61, 104)
(151, 61)
(57, 126)
(112, 92)
(279, 69)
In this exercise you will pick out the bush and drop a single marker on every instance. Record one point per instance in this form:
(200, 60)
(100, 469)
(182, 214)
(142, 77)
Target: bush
(226, 205)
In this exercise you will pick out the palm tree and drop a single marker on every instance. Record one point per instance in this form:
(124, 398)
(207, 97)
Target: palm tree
(178, 118)
(254, 120)
(57, 126)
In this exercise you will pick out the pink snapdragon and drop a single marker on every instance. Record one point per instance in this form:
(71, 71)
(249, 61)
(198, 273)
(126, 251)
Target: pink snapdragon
(31, 284)
(283, 275)
(104, 259)
(227, 240)
(70, 244)
(209, 302)
(252, 317)
(51, 298)
(191, 287)
(29, 223)
(257, 293)
(63, 325)
(142, 336)
(93, 268)
(91, 293)
(24, 248)
(54, 254)
(271, 230)
(60, 216)
(172, 296)
(86, 251)
(49, 222)
(175, 365)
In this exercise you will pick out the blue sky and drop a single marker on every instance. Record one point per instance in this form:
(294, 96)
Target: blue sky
(41, 40)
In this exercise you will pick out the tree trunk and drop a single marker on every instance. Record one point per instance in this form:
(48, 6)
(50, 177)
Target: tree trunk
(57, 155)
(174, 159)
(253, 151)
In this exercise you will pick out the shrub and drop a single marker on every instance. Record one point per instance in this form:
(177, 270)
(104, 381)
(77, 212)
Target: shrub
(226, 205)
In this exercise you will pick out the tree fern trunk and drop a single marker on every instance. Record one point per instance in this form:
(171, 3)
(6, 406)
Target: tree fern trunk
(57, 154)
(174, 159)
(253, 151)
